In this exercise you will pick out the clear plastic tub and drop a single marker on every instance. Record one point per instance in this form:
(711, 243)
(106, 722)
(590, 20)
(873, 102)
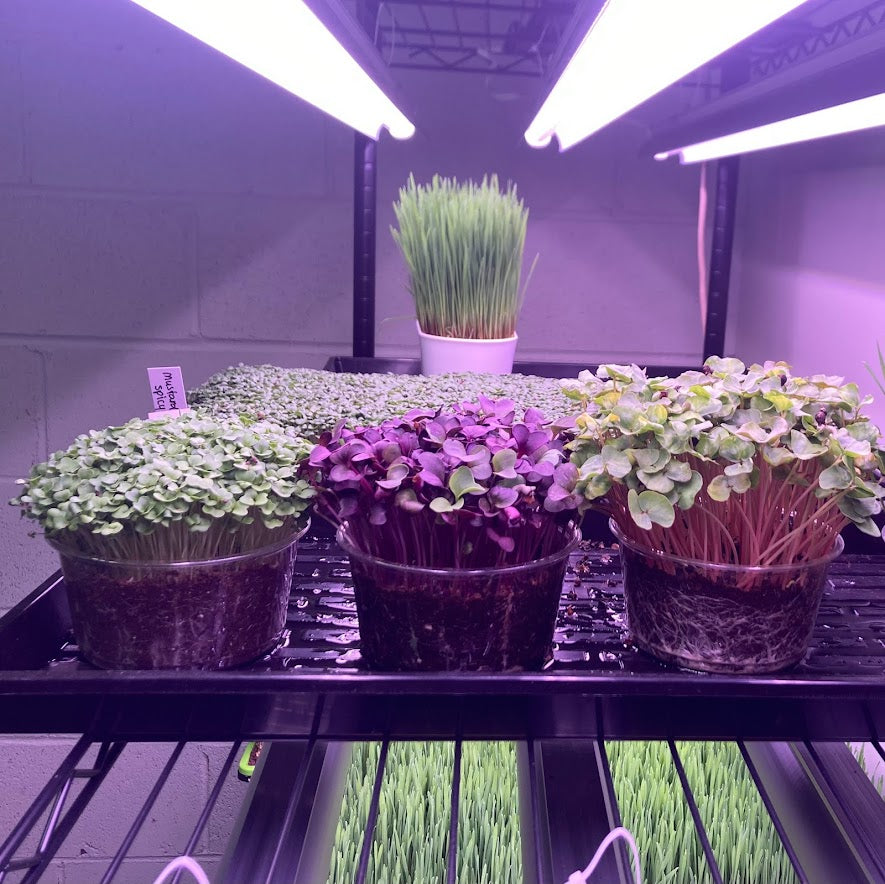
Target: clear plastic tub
(414, 618)
(209, 614)
(721, 618)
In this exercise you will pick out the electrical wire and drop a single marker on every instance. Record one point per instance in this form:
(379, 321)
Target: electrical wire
(620, 832)
(184, 863)
(702, 246)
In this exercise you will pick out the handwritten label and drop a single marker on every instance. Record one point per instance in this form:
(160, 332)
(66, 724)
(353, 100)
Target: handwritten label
(167, 389)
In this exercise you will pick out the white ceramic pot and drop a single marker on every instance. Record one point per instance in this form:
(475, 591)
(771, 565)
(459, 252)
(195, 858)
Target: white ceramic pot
(440, 355)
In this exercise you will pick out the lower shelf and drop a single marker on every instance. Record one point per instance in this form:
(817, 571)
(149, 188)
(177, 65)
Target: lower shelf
(825, 811)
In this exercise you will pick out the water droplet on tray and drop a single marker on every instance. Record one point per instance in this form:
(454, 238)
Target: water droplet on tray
(351, 656)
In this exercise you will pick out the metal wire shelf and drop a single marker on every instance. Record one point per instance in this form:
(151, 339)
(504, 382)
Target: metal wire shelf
(597, 683)
(818, 40)
(560, 826)
(515, 37)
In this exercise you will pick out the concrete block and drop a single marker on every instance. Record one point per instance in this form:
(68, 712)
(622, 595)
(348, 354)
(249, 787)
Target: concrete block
(138, 105)
(96, 267)
(477, 130)
(230, 801)
(276, 270)
(54, 874)
(28, 762)
(22, 430)
(594, 279)
(142, 871)
(648, 189)
(105, 822)
(26, 560)
(11, 114)
(92, 388)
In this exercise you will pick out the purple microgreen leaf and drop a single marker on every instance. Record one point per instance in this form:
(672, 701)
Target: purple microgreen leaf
(343, 473)
(395, 476)
(534, 442)
(386, 451)
(566, 475)
(506, 543)
(557, 492)
(474, 431)
(541, 470)
(435, 431)
(482, 472)
(417, 414)
(455, 449)
(444, 505)
(477, 454)
(533, 417)
(502, 496)
(433, 470)
(348, 505)
(318, 454)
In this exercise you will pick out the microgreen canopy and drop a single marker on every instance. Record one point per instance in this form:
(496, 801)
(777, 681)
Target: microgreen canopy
(742, 465)
(176, 489)
(469, 486)
(313, 401)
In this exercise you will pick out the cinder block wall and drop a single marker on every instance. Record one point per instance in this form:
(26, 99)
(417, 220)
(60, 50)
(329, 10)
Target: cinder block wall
(809, 282)
(160, 205)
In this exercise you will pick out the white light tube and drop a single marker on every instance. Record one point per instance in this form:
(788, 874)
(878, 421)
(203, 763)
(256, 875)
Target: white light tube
(864, 113)
(284, 41)
(636, 48)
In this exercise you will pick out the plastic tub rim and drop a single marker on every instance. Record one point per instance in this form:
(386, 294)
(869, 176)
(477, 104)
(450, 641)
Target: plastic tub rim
(571, 530)
(258, 552)
(838, 547)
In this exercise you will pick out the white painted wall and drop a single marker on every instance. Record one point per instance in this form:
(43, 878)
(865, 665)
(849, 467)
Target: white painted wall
(160, 205)
(809, 282)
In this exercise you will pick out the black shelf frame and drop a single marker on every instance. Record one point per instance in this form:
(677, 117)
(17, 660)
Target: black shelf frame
(827, 814)
(598, 684)
(309, 700)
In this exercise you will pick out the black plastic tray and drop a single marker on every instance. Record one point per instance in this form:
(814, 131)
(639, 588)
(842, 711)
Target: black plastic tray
(400, 365)
(597, 684)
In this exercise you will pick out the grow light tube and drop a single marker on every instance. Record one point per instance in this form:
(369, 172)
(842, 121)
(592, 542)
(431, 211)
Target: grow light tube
(864, 113)
(287, 42)
(635, 48)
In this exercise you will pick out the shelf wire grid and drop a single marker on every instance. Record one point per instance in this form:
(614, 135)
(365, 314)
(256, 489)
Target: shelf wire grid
(817, 39)
(514, 37)
(50, 803)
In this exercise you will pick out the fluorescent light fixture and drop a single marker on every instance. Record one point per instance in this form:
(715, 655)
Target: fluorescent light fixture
(634, 49)
(864, 113)
(286, 42)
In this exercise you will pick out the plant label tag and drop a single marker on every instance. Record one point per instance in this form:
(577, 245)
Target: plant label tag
(167, 391)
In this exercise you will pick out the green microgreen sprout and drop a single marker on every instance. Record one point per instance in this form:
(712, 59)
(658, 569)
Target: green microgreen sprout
(463, 244)
(730, 465)
(187, 488)
(312, 401)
